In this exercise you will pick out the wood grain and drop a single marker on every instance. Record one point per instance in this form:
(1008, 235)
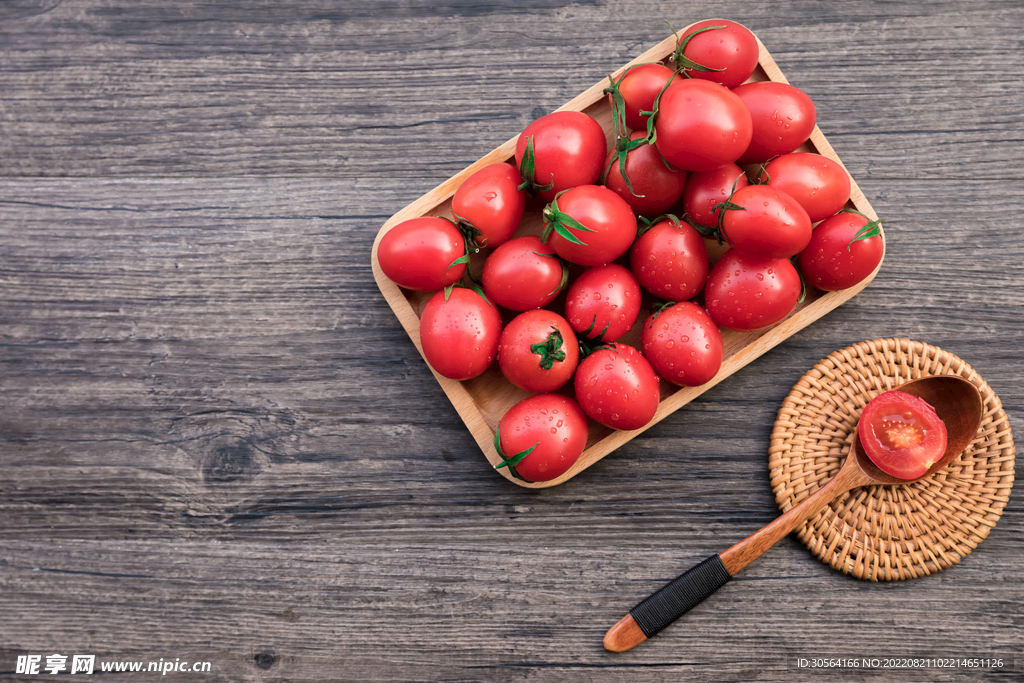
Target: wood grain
(218, 443)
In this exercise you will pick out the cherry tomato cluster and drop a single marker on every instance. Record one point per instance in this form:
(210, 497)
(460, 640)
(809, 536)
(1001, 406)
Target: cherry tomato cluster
(695, 136)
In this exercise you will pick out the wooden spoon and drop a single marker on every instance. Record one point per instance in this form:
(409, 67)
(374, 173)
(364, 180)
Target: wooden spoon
(958, 404)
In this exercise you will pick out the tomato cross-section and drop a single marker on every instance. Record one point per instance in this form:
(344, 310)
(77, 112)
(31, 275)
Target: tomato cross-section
(901, 434)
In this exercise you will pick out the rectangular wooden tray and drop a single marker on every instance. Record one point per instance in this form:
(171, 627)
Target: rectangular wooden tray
(482, 401)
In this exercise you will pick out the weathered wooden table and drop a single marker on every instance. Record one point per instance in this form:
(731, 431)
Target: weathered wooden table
(218, 445)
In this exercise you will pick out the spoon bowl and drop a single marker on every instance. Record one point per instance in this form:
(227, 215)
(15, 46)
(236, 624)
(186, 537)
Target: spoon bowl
(956, 401)
(958, 404)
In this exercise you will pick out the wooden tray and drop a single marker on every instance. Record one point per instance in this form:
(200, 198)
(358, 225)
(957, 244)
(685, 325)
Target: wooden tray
(483, 400)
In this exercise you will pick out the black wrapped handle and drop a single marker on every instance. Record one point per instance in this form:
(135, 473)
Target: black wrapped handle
(680, 595)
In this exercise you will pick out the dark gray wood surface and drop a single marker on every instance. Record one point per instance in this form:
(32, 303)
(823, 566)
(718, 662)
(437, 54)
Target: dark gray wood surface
(218, 444)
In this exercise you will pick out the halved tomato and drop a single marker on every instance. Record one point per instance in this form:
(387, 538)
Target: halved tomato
(902, 434)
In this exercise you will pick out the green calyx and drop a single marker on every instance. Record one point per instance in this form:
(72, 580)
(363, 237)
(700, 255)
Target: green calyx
(660, 307)
(683, 63)
(871, 229)
(471, 246)
(550, 350)
(510, 462)
(565, 272)
(722, 207)
(704, 230)
(644, 224)
(589, 344)
(462, 259)
(562, 223)
(599, 337)
(461, 285)
(470, 232)
(762, 177)
(528, 171)
(623, 144)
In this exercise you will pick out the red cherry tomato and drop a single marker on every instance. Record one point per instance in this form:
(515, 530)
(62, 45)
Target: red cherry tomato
(459, 336)
(523, 273)
(770, 225)
(603, 302)
(822, 186)
(538, 351)
(683, 344)
(541, 437)
(732, 49)
(670, 260)
(617, 387)
(639, 87)
(701, 125)
(744, 293)
(707, 189)
(656, 188)
(901, 434)
(420, 254)
(834, 259)
(490, 202)
(609, 225)
(783, 118)
(568, 150)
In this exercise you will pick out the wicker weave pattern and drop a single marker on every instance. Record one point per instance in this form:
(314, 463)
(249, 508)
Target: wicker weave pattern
(887, 532)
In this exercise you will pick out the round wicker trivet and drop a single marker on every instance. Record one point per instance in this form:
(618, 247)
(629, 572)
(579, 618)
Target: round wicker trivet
(887, 532)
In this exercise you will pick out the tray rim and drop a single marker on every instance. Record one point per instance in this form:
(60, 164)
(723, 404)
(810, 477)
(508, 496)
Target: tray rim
(759, 342)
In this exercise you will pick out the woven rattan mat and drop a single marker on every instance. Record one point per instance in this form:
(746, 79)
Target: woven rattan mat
(887, 532)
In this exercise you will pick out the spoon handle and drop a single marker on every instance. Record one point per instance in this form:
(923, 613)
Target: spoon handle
(688, 590)
(753, 546)
(672, 601)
